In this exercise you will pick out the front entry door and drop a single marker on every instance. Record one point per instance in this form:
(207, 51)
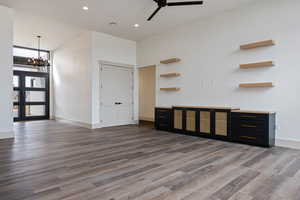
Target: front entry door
(116, 94)
(31, 96)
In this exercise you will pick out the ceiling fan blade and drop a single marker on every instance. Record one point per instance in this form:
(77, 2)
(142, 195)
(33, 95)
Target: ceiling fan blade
(185, 3)
(154, 13)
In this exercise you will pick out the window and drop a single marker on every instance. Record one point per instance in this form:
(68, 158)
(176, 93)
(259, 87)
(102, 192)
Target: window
(21, 56)
(29, 53)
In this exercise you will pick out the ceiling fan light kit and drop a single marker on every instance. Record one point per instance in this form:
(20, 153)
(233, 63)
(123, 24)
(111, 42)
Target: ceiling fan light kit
(164, 3)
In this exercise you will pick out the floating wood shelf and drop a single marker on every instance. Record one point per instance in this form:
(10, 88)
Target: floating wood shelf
(258, 44)
(251, 85)
(170, 75)
(169, 89)
(148, 66)
(256, 65)
(172, 60)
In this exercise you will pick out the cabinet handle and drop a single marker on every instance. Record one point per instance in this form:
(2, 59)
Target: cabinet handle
(248, 137)
(248, 116)
(248, 126)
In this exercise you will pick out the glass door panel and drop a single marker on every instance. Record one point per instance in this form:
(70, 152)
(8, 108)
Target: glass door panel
(35, 96)
(35, 82)
(191, 120)
(178, 119)
(205, 123)
(16, 96)
(35, 110)
(16, 112)
(221, 124)
(16, 81)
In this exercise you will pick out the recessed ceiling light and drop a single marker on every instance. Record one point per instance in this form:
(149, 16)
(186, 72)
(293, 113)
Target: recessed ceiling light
(85, 8)
(136, 25)
(113, 23)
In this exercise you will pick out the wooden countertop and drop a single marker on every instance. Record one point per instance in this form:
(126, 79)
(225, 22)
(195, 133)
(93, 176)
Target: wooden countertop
(234, 110)
(208, 107)
(164, 107)
(253, 111)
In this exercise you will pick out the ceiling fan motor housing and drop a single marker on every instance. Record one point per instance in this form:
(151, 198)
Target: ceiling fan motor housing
(161, 3)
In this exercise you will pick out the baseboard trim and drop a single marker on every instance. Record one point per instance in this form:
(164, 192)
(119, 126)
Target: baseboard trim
(99, 125)
(86, 125)
(293, 144)
(96, 126)
(74, 122)
(6, 135)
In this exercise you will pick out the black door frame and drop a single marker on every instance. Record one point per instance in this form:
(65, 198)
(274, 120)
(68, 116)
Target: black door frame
(22, 95)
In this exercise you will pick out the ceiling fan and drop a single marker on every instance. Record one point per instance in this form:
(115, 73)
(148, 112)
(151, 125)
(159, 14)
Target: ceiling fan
(164, 3)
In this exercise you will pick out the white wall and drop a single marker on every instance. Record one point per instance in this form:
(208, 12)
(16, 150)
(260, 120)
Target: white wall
(6, 88)
(72, 80)
(210, 54)
(76, 74)
(115, 50)
(147, 89)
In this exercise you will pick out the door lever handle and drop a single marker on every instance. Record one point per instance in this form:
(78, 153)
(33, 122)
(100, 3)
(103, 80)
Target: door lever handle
(118, 103)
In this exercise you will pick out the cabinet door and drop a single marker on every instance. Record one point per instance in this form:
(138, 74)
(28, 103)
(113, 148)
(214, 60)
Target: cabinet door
(162, 119)
(205, 122)
(178, 119)
(250, 129)
(221, 128)
(191, 120)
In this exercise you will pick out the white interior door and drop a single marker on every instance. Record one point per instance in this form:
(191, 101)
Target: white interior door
(116, 96)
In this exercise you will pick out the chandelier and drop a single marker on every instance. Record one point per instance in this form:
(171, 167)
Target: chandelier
(39, 61)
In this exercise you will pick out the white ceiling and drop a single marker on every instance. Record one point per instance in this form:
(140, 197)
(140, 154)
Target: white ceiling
(54, 33)
(58, 20)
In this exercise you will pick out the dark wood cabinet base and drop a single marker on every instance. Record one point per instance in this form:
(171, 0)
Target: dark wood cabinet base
(227, 124)
(163, 119)
(254, 128)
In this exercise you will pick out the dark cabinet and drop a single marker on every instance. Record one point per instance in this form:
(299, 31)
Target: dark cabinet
(205, 122)
(191, 120)
(202, 121)
(163, 119)
(185, 120)
(249, 127)
(178, 120)
(254, 128)
(222, 124)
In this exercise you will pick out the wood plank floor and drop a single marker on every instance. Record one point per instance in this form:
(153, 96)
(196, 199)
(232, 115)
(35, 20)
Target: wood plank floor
(49, 160)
